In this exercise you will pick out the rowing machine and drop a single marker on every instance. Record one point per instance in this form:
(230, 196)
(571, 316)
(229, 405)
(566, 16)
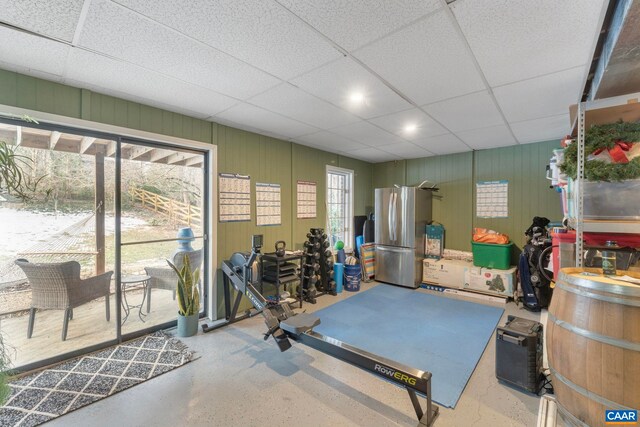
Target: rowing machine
(283, 324)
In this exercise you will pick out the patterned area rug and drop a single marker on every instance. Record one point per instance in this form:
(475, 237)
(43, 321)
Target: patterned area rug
(42, 396)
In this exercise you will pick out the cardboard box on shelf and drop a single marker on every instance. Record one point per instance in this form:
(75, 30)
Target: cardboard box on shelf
(445, 272)
(490, 281)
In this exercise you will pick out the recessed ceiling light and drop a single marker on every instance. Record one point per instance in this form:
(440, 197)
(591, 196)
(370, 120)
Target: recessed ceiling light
(410, 128)
(357, 97)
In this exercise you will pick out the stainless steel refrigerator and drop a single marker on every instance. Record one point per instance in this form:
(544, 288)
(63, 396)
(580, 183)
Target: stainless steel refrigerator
(401, 216)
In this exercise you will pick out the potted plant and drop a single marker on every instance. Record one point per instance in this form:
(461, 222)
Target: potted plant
(188, 296)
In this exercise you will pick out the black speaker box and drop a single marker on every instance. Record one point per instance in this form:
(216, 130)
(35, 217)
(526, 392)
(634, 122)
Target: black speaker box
(519, 353)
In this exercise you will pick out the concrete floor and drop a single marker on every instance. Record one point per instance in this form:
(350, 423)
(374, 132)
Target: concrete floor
(241, 380)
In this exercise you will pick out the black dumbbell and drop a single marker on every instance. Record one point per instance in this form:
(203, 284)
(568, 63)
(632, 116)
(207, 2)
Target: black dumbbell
(314, 266)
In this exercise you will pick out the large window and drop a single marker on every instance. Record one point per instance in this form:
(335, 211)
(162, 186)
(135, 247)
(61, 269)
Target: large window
(340, 205)
(104, 216)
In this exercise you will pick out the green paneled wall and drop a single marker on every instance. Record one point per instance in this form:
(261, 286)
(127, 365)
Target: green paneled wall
(264, 159)
(388, 173)
(522, 165)
(362, 194)
(37, 94)
(529, 193)
(452, 203)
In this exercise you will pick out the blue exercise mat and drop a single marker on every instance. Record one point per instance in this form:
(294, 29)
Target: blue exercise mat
(432, 333)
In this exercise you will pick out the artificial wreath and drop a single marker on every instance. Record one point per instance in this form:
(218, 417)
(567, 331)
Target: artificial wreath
(616, 138)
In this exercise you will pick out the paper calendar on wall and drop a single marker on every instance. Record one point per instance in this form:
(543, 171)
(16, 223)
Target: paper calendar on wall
(268, 204)
(234, 197)
(306, 199)
(492, 199)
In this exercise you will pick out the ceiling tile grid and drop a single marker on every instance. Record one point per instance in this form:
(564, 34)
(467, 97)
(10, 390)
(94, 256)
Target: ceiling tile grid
(442, 144)
(260, 118)
(543, 129)
(466, 112)
(299, 105)
(345, 76)
(402, 124)
(30, 52)
(489, 137)
(515, 40)
(123, 34)
(338, 81)
(367, 134)
(259, 32)
(372, 155)
(544, 96)
(354, 23)
(130, 80)
(406, 150)
(56, 19)
(330, 141)
(427, 61)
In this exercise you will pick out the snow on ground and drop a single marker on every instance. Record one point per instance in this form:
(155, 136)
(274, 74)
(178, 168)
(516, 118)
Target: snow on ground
(21, 229)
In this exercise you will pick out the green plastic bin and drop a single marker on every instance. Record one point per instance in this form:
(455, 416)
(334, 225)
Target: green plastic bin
(491, 255)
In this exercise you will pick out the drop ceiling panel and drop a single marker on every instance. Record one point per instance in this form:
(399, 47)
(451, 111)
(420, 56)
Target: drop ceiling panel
(372, 155)
(299, 105)
(518, 39)
(123, 34)
(338, 80)
(544, 96)
(406, 150)
(129, 81)
(52, 18)
(427, 61)
(543, 129)
(262, 33)
(353, 23)
(443, 144)
(264, 120)
(367, 134)
(397, 122)
(490, 137)
(33, 52)
(330, 141)
(472, 111)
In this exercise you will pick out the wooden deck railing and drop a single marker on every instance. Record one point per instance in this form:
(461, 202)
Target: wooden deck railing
(175, 210)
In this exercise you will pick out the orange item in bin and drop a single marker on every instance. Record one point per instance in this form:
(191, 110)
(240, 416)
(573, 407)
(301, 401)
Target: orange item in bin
(484, 235)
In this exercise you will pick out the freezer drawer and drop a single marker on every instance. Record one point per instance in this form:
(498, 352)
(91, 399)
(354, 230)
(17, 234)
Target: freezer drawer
(398, 266)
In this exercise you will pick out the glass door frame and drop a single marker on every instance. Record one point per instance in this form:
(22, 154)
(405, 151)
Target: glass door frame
(206, 205)
(63, 124)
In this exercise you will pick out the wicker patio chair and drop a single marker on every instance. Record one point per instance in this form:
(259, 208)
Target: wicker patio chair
(166, 278)
(58, 286)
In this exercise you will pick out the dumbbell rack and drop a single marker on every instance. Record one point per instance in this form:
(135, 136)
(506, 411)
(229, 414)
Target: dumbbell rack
(317, 267)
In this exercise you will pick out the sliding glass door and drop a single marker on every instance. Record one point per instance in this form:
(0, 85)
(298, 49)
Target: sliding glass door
(162, 219)
(57, 258)
(87, 227)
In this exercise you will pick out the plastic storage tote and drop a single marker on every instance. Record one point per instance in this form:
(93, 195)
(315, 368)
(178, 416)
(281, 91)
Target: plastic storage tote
(491, 255)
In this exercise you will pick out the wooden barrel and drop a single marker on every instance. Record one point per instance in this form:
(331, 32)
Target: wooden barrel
(593, 343)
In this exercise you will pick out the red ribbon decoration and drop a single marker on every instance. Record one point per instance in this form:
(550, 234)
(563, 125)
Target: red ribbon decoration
(617, 153)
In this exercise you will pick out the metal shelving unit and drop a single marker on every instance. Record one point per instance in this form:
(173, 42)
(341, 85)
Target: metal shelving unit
(585, 114)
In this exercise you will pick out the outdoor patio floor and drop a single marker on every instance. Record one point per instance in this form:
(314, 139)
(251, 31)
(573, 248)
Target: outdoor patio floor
(88, 327)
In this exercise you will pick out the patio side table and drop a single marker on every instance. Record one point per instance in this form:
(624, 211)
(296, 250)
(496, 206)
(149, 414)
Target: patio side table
(127, 283)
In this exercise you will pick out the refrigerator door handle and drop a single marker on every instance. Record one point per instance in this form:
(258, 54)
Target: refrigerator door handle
(391, 249)
(395, 217)
(389, 217)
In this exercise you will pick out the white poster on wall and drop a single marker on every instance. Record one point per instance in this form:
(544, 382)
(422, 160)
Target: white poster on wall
(268, 204)
(492, 199)
(306, 199)
(234, 202)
